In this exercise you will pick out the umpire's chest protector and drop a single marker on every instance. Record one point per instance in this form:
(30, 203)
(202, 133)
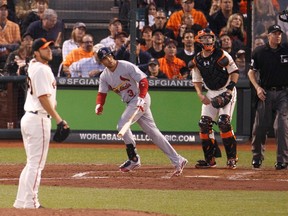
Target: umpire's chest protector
(214, 75)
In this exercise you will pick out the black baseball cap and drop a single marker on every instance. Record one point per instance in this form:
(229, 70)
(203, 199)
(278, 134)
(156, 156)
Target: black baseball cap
(153, 61)
(274, 28)
(158, 30)
(41, 43)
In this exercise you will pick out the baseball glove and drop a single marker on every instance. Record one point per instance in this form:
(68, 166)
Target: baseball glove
(62, 132)
(221, 100)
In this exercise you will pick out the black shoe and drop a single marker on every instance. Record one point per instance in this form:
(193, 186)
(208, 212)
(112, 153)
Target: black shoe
(41, 207)
(280, 166)
(256, 163)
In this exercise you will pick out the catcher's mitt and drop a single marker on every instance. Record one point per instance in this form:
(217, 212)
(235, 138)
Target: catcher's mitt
(62, 132)
(221, 100)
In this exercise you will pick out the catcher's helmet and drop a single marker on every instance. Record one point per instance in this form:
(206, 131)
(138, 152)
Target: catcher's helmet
(103, 52)
(206, 38)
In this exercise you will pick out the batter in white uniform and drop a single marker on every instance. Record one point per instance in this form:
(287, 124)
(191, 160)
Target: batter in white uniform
(130, 83)
(36, 123)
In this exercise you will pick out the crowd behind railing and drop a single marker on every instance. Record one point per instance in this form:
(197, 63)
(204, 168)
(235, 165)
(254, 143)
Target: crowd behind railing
(165, 42)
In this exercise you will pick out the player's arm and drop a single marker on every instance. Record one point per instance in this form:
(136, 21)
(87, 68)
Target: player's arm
(46, 104)
(198, 84)
(100, 101)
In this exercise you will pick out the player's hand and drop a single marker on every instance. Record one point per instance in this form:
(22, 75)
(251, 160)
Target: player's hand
(99, 109)
(140, 103)
(204, 99)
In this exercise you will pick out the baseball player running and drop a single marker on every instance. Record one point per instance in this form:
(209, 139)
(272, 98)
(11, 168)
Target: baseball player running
(130, 83)
(36, 123)
(218, 72)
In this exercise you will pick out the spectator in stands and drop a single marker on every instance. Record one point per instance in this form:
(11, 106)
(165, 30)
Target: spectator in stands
(115, 26)
(226, 45)
(11, 11)
(150, 13)
(79, 30)
(88, 67)
(157, 49)
(34, 15)
(240, 62)
(84, 51)
(219, 19)
(174, 21)
(17, 61)
(187, 23)
(172, 66)
(142, 57)
(120, 39)
(215, 7)
(258, 41)
(10, 34)
(23, 8)
(154, 71)
(188, 51)
(235, 28)
(160, 23)
(146, 38)
(49, 27)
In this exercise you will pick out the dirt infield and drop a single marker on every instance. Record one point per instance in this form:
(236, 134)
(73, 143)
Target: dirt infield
(108, 176)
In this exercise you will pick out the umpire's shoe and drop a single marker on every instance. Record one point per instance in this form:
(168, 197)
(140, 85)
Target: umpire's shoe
(280, 166)
(202, 164)
(130, 165)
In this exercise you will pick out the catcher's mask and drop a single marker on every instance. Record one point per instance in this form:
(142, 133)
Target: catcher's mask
(206, 38)
(103, 52)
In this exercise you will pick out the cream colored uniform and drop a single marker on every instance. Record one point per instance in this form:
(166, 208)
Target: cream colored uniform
(36, 131)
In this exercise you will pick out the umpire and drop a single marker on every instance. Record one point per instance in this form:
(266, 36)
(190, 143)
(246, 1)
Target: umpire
(271, 62)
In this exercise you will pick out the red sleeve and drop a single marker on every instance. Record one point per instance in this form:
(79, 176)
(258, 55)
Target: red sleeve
(101, 97)
(143, 86)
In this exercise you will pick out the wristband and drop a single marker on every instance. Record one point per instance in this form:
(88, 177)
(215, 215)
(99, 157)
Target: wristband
(231, 85)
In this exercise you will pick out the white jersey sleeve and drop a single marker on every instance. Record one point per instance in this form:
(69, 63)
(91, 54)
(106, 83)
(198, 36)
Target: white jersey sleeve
(41, 82)
(124, 80)
(231, 67)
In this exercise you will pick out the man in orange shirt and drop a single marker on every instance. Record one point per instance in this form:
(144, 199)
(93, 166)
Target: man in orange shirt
(9, 34)
(174, 22)
(84, 51)
(170, 64)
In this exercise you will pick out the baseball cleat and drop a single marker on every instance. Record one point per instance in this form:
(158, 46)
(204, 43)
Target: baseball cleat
(179, 169)
(130, 165)
(231, 163)
(256, 163)
(202, 164)
(280, 166)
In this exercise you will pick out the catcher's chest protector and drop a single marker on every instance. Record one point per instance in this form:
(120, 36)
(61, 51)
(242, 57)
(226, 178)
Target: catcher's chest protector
(214, 76)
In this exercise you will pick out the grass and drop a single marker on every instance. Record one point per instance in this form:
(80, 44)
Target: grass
(173, 202)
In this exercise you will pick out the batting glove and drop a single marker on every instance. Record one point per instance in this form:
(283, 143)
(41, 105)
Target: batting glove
(98, 109)
(140, 103)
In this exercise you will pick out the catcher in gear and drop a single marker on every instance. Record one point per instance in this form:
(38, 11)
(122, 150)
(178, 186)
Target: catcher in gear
(216, 70)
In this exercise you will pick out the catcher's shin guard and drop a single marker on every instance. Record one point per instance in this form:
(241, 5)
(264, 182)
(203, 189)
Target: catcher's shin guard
(131, 152)
(228, 137)
(209, 144)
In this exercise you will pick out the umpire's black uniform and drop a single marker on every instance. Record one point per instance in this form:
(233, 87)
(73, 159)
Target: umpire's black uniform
(272, 66)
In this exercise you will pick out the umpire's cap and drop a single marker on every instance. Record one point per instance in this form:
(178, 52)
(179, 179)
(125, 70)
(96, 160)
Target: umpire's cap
(41, 43)
(103, 52)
